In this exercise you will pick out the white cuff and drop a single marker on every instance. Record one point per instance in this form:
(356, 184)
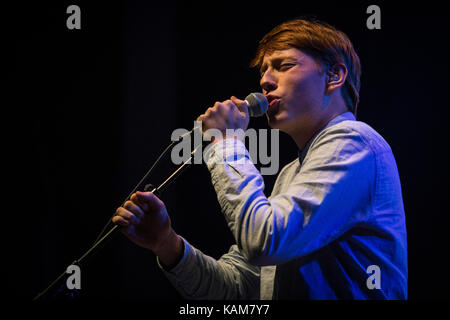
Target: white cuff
(229, 150)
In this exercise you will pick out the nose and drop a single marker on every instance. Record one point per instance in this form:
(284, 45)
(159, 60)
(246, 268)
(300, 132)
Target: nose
(268, 82)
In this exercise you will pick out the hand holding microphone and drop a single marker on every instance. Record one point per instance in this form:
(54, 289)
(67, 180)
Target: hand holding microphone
(234, 113)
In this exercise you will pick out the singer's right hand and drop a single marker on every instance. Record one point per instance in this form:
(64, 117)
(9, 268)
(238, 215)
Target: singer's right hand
(145, 221)
(230, 114)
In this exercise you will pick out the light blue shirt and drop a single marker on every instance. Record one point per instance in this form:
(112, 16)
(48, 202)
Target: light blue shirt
(333, 227)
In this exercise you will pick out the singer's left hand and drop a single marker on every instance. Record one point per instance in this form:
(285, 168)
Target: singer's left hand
(229, 114)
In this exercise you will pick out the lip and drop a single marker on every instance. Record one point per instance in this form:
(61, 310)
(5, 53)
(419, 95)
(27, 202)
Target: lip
(272, 99)
(273, 102)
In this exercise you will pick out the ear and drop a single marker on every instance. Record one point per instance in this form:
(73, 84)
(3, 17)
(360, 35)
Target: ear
(336, 77)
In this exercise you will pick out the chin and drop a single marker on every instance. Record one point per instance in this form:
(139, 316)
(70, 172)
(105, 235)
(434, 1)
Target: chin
(277, 121)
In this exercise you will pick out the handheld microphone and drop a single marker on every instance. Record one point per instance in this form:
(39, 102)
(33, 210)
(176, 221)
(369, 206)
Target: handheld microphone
(257, 104)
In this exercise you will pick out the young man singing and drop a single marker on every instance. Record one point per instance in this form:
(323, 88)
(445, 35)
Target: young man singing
(335, 213)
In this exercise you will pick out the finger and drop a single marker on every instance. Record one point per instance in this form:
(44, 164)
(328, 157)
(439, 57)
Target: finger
(142, 204)
(120, 221)
(210, 111)
(148, 197)
(128, 231)
(233, 113)
(241, 105)
(227, 108)
(135, 208)
(128, 216)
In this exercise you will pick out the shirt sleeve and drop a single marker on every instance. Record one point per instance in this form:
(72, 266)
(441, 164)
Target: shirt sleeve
(327, 196)
(199, 276)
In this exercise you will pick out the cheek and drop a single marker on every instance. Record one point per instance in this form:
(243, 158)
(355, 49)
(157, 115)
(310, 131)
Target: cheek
(307, 88)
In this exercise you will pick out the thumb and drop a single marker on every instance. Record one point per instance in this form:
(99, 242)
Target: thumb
(241, 105)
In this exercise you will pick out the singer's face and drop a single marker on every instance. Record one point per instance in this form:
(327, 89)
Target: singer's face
(294, 84)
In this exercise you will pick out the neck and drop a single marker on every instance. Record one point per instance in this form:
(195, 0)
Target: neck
(312, 126)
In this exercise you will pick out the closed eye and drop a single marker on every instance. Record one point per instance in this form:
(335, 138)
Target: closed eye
(286, 66)
(279, 64)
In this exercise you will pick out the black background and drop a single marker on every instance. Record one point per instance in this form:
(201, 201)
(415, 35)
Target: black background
(90, 110)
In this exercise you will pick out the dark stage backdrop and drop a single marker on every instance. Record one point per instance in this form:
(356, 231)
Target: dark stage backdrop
(93, 108)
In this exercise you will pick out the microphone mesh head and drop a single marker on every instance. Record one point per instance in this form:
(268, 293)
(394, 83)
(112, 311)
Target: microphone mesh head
(257, 104)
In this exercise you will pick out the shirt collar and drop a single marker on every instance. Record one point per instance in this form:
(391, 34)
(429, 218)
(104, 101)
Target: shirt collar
(342, 117)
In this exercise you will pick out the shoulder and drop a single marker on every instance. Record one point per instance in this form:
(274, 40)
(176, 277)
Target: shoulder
(358, 134)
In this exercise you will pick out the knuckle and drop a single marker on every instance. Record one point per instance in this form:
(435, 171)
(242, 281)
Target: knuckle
(139, 213)
(128, 204)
